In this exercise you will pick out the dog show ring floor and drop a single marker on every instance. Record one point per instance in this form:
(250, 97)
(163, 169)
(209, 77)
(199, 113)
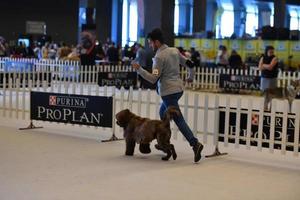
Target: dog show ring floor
(53, 164)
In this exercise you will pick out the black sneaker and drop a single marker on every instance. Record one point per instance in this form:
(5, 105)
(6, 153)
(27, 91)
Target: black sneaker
(197, 148)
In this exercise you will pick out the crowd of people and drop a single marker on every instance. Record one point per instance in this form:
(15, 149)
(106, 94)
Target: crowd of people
(89, 50)
(233, 61)
(86, 51)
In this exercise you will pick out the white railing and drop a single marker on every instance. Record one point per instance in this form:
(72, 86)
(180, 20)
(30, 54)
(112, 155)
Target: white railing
(201, 110)
(208, 78)
(205, 78)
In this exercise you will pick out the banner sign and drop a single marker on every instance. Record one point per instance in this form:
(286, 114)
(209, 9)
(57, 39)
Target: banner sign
(239, 82)
(72, 109)
(118, 79)
(290, 129)
(35, 27)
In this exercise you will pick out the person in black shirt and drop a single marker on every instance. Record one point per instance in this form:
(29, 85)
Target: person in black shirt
(88, 51)
(235, 60)
(113, 54)
(268, 65)
(195, 57)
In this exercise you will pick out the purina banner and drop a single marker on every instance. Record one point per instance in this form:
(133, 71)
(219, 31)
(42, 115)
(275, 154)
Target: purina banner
(239, 82)
(254, 129)
(118, 79)
(72, 109)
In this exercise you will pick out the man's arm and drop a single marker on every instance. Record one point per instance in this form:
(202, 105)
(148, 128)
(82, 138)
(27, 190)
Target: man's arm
(271, 65)
(156, 70)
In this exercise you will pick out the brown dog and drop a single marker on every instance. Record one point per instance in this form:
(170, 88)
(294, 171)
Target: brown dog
(143, 131)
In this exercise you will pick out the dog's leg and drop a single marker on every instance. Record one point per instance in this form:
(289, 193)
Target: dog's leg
(169, 153)
(159, 148)
(145, 148)
(163, 145)
(165, 148)
(174, 154)
(130, 145)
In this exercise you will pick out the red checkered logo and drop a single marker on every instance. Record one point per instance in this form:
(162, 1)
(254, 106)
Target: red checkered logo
(255, 119)
(52, 100)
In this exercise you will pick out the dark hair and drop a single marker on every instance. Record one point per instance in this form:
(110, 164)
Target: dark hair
(223, 48)
(267, 49)
(156, 34)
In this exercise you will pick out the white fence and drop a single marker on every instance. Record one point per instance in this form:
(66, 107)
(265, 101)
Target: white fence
(70, 71)
(208, 78)
(201, 110)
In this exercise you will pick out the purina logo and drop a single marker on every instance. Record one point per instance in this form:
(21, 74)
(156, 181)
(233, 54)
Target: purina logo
(52, 100)
(65, 101)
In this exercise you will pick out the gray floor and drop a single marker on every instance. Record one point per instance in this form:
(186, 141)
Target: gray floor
(43, 164)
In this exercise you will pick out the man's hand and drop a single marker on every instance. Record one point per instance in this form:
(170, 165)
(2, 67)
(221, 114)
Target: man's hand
(135, 65)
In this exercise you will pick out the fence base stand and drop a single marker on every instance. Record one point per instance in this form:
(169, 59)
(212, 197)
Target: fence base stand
(113, 138)
(216, 153)
(30, 126)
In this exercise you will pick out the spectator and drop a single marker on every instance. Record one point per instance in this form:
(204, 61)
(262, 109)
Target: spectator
(37, 51)
(195, 57)
(100, 54)
(268, 65)
(88, 49)
(235, 60)
(75, 54)
(222, 58)
(29, 53)
(52, 52)
(63, 52)
(45, 50)
(113, 53)
(141, 59)
(126, 53)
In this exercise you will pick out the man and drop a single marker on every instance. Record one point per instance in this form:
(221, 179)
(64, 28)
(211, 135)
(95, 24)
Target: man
(165, 71)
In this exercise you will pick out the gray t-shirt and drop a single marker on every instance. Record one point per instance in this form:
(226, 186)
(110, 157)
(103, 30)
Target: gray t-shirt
(166, 70)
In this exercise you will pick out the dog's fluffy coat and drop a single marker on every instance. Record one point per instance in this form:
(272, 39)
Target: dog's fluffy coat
(143, 131)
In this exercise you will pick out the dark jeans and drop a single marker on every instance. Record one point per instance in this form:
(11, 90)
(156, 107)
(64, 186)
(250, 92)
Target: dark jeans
(172, 100)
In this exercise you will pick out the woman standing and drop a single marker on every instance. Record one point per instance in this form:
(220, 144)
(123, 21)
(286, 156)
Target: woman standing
(268, 65)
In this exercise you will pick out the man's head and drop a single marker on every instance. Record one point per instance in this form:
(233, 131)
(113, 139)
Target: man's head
(155, 39)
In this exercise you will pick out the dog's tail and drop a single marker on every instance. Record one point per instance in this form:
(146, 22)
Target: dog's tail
(171, 112)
